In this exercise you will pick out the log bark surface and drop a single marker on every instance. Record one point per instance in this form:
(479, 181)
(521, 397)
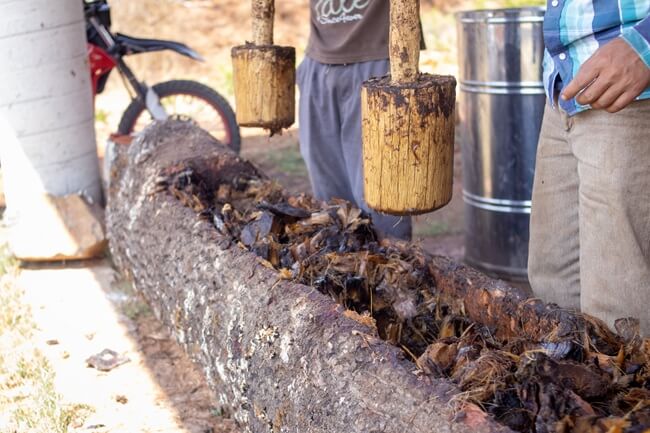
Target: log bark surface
(264, 81)
(408, 143)
(263, 12)
(405, 37)
(280, 356)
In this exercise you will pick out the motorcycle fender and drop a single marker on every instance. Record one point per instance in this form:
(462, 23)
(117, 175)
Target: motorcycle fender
(140, 45)
(152, 101)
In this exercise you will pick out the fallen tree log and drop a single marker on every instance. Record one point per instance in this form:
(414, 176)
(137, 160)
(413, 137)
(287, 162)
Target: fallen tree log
(280, 356)
(284, 357)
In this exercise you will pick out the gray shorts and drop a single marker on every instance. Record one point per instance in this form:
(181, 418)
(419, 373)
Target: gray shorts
(330, 134)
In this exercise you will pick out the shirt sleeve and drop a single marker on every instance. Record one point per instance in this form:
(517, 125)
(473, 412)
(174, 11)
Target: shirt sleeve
(639, 39)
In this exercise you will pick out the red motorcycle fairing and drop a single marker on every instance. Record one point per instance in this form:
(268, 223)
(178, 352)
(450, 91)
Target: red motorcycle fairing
(101, 64)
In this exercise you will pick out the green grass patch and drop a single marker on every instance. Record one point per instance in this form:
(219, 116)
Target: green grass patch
(7, 262)
(223, 81)
(40, 408)
(101, 116)
(288, 161)
(432, 229)
(28, 399)
(133, 306)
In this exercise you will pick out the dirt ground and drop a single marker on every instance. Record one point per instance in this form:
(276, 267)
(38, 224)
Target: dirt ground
(80, 309)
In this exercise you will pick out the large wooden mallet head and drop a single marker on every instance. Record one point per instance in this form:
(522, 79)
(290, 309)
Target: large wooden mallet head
(408, 126)
(264, 75)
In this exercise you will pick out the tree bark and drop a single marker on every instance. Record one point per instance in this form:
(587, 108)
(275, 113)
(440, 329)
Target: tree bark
(282, 357)
(263, 12)
(405, 37)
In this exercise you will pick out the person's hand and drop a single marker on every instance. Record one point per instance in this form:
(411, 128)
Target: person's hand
(610, 79)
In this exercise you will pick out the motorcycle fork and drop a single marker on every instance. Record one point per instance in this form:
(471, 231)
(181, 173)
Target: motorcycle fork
(139, 90)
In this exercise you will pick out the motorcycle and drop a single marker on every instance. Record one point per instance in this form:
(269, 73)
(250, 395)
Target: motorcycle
(106, 51)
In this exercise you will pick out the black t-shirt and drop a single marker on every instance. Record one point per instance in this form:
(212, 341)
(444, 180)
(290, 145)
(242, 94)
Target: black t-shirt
(348, 31)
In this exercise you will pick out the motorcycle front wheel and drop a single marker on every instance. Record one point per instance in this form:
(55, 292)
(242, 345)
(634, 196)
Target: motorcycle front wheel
(190, 99)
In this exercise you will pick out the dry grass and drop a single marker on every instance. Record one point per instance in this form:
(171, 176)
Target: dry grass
(28, 400)
(210, 27)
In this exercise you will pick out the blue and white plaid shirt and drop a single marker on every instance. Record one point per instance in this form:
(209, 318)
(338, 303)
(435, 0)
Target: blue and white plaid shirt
(574, 29)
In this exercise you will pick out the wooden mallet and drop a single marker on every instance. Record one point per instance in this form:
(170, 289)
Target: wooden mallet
(408, 126)
(264, 75)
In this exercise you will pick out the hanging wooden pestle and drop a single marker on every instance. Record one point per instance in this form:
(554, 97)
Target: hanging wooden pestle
(264, 75)
(408, 126)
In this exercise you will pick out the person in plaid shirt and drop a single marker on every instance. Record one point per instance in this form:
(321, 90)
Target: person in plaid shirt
(590, 222)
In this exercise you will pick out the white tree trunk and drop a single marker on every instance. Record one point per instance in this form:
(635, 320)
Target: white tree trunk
(47, 136)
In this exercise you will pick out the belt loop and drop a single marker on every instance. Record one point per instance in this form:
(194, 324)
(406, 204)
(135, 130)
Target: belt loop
(566, 120)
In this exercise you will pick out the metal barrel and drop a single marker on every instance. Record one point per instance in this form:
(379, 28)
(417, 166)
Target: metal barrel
(501, 106)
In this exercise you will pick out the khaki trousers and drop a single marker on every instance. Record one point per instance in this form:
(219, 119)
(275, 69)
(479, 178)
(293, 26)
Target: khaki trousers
(590, 222)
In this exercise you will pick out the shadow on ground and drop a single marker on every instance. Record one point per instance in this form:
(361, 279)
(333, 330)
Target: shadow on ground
(80, 309)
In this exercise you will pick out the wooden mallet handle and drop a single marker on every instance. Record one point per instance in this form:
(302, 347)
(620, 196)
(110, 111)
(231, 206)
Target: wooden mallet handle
(262, 12)
(407, 126)
(404, 40)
